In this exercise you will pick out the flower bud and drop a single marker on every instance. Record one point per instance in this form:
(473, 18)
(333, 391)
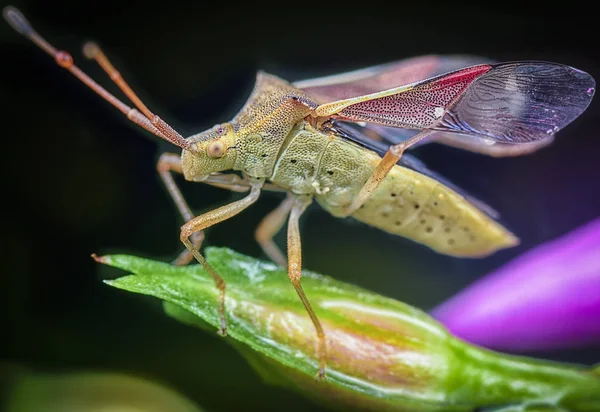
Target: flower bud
(382, 354)
(549, 298)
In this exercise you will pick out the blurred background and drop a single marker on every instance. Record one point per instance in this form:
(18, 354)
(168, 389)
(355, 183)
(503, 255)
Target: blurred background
(78, 178)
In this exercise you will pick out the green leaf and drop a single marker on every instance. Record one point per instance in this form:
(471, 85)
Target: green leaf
(382, 354)
(90, 392)
(529, 408)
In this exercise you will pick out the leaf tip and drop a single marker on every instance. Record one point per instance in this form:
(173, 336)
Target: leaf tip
(115, 283)
(100, 259)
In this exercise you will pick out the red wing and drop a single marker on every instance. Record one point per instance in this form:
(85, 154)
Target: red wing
(382, 77)
(415, 106)
(508, 102)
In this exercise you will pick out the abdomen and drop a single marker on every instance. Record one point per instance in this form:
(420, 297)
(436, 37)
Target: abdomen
(418, 207)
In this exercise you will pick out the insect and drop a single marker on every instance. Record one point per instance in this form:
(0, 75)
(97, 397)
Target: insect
(340, 140)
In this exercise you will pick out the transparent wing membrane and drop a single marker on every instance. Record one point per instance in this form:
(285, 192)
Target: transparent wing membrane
(520, 102)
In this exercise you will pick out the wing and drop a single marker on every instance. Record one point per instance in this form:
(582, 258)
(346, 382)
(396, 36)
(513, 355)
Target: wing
(507, 102)
(474, 144)
(351, 133)
(490, 147)
(385, 76)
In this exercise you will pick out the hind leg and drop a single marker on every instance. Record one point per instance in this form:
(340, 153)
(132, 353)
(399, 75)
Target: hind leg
(389, 160)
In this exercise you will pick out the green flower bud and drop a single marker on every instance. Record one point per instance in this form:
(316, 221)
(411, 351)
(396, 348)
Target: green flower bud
(382, 354)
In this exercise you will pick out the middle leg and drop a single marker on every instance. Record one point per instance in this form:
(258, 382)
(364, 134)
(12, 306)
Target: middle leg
(269, 227)
(295, 274)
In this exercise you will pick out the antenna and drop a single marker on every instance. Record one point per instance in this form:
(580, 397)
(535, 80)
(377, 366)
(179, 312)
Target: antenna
(145, 119)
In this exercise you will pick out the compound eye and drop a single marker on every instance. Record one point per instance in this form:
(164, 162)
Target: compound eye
(216, 149)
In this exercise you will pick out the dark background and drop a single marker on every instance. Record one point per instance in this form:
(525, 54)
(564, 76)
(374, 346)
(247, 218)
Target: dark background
(78, 178)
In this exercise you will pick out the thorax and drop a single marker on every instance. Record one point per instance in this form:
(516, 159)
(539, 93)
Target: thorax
(265, 122)
(323, 164)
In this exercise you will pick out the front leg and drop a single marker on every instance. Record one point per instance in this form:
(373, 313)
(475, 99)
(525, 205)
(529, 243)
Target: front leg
(211, 218)
(167, 163)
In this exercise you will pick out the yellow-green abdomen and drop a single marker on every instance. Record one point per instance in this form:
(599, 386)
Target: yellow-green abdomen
(412, 205)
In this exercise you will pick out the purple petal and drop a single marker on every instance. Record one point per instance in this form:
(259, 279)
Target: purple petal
(548, 298)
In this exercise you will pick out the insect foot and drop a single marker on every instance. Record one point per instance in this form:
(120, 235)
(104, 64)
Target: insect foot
(321, 376)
